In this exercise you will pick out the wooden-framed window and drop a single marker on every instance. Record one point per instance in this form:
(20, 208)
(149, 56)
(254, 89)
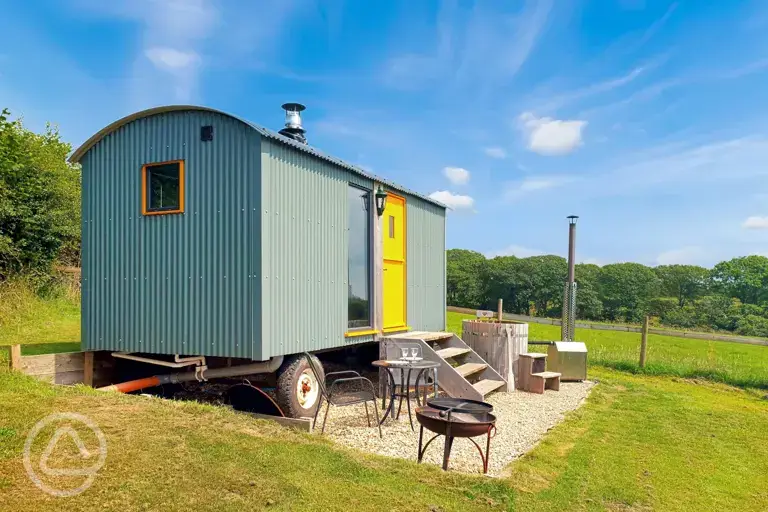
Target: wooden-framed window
(162, 188)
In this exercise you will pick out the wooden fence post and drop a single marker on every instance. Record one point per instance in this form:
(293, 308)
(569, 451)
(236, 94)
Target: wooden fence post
(88, 368)
(15, 357)
(644, 341)
(501, 310)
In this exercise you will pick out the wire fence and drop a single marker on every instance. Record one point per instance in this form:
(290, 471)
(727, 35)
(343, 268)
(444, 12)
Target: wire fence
(624, 328)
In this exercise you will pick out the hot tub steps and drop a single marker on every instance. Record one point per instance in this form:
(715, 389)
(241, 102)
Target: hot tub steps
(462, 372)
(485, 386)
(451, 352)
(470, 368)
(533, 377)
(544, 380)
(425, 335)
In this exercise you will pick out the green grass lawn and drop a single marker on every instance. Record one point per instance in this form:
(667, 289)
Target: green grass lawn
(165, 455)
(41, 326)
(651, 443)
(49, 321)
(639, 443)
(720, 361)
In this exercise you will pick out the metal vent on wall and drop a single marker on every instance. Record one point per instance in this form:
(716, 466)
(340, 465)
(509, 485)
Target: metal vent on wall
(206, 133)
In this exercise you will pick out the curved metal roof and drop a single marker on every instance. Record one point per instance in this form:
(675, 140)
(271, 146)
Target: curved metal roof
(113, 127)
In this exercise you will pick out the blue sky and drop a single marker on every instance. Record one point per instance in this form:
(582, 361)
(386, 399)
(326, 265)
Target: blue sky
(646, 118)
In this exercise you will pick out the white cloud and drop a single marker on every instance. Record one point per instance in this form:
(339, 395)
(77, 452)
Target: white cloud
(655, 27)
(177, 37)
(654, 90)
(515, 250)
(728, 160)
(539, 184)
(171, 58)
(517, 190)
(456, 175)
(548, 136)
(454, 201)
(411, 72)
(464, 37)
(495, 152)
(756, 222)
(173, 35)
(514, 38)
(683, 256)
(552, 104)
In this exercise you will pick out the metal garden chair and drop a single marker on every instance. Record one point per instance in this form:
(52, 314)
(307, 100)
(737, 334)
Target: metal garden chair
(338, 397)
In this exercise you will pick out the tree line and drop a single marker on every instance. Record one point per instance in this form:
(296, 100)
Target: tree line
(39, 201)
(732, 296)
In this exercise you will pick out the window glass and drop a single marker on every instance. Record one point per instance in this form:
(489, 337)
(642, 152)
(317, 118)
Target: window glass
(391, 226)
(164, 187)
(358, 269)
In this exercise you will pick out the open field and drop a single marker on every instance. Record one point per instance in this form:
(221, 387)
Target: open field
(46, 326)
(651, 443)
(731, 363)
(712, 335)
(41, 326)
(639, 443)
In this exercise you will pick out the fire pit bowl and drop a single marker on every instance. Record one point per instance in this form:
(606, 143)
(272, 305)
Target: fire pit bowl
(462, 424)
(461, 405)
(452, 417)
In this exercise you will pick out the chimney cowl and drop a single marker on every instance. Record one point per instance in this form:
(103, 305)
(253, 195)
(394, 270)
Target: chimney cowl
(293, 128)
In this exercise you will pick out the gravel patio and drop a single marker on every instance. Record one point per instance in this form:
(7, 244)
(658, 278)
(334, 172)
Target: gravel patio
(522, 420)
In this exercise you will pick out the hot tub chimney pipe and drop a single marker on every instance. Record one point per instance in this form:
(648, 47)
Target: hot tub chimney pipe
(568, 324)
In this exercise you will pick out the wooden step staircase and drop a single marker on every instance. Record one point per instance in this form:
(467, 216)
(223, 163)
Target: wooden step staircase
(533, 376)
(462, 372)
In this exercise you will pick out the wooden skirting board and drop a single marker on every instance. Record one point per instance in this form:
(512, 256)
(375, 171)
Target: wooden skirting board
(90, 368)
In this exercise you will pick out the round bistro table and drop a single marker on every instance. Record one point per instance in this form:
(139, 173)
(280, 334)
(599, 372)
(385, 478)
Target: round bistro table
(406, 368)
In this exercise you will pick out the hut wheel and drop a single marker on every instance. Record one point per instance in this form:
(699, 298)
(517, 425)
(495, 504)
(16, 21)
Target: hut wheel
(298, 389)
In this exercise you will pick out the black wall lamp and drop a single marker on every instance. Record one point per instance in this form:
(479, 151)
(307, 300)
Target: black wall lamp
(381, 201)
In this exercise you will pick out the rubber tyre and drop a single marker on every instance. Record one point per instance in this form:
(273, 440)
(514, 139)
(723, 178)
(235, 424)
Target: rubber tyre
(288, 376)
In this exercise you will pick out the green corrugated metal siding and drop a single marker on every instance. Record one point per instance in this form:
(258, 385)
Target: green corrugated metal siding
(304, 250)
(305, 247)
(87, 145)
(425, 265)
(172, 283)
(257, 264)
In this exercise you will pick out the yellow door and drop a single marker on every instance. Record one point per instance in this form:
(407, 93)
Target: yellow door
(393, 233)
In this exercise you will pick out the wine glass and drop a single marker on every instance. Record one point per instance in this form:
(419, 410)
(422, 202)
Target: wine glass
(414, 352)
(404, 351)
